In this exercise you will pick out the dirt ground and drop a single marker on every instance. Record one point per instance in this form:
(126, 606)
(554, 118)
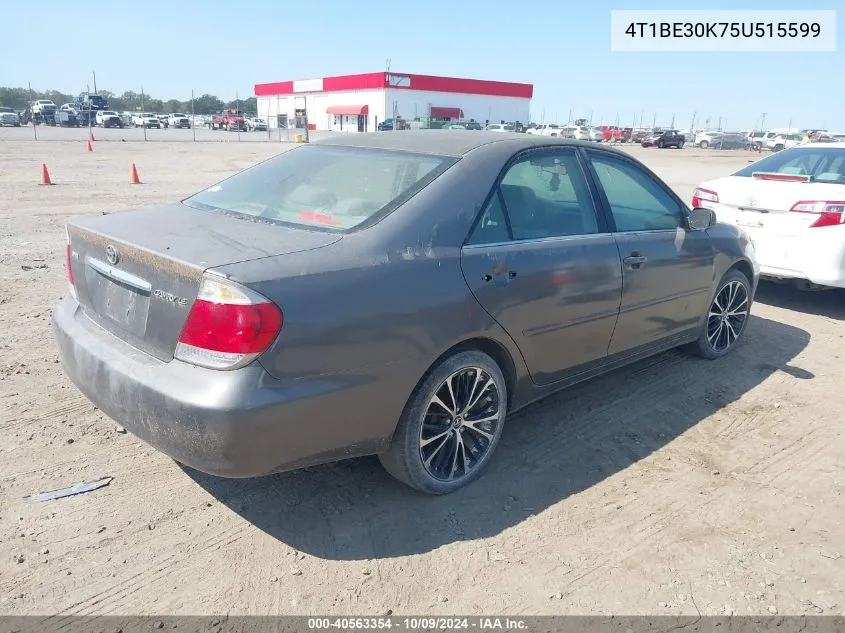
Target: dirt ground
(674, 486)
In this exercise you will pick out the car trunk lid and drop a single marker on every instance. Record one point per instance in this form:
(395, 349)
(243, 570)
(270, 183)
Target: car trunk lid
(761, 204)
(137, 273)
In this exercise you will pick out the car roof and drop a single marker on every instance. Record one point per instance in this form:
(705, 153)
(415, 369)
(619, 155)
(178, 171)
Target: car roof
(446, 143)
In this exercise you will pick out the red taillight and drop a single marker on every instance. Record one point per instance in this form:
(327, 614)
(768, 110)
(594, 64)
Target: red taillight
(830, 213)
(700, 196)
(228, 326)
(69, 267)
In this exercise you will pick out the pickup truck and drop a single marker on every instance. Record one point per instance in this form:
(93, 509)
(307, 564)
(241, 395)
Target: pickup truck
(91, 102)
(8, 116)
(41, 111)
(256, 124)
(145, 119)
(178, 120)
(107, 118)
(43, 106)
(66, 118)
(227, 120)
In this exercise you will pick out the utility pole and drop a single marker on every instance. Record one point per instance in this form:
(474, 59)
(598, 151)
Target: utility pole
(143, 121)
(94, 72)
(88, 92)
(692, 125)
(387, 77)
(763, 122)
(32, 117)
(194, 120)
(673, 122)
(240, 114)
(654, 121)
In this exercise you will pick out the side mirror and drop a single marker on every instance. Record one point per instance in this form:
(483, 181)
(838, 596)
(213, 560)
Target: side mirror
(700, 219)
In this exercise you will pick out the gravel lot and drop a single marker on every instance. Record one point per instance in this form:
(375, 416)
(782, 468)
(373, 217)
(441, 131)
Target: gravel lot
(674, 486)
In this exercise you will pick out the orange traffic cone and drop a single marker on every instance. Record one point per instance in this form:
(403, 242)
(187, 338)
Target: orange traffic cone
(90, 147)
(45, 175)
(92, 136)
(133, 178)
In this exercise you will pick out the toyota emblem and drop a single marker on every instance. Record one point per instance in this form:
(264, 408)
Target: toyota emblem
(112, 255)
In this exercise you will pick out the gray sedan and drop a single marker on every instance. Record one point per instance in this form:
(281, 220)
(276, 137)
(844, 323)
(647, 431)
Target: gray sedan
(389, 294)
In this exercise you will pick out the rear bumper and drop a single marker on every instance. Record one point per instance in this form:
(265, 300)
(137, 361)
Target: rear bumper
(816, 255)
(239, 423)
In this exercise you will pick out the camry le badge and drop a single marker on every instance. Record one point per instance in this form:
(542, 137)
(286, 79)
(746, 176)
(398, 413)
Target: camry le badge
(112, 255)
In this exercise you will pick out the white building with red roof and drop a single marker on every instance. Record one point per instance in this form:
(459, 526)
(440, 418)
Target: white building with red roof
(359, 103)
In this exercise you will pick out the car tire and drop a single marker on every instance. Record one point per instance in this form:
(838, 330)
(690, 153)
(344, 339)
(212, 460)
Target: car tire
(681, 145)
(704, 144)
(439, 467)
(660, 144)
(777, 147)
(721, 333)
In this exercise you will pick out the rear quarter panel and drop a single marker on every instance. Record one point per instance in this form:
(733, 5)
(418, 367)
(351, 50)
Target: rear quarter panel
(731, 249)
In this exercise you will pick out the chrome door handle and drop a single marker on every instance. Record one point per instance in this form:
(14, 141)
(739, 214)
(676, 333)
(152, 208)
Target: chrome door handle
(635, 261)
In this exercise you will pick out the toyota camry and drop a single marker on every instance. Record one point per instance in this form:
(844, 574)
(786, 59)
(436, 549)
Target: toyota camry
(389, 294)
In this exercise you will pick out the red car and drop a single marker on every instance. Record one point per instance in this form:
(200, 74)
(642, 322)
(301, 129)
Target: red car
(611, 133)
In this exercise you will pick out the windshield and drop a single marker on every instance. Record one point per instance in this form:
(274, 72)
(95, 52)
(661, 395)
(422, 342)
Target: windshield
(330, 187)
(109, 113)
(823, 164)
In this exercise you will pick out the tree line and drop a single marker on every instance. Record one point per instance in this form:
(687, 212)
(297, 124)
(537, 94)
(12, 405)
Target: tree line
(18, 98)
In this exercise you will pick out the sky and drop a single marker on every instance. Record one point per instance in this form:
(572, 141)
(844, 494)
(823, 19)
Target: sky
(170, 47)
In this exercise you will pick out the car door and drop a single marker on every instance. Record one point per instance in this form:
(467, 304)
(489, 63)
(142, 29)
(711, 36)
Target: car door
(668, 271)
(542, 263)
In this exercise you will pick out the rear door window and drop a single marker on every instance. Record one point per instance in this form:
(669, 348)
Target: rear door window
(543, 194)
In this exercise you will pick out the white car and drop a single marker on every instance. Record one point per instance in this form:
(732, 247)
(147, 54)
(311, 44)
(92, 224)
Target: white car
(499, 127)
(706, 139)
(791, 204)
(146, 119)
(256, 124)
(547, 129)
(782, 141)
(585, 133)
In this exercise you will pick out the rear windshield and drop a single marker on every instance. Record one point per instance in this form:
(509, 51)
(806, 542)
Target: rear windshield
(335, 188)
(823, 164)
